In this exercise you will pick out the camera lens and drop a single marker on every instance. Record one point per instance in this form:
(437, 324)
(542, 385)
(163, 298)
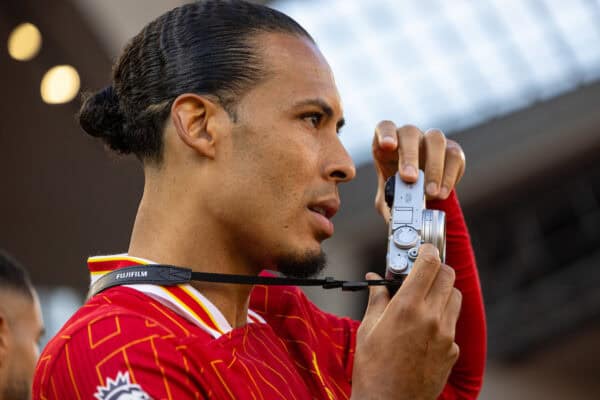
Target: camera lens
(390, 187)
(434, 230)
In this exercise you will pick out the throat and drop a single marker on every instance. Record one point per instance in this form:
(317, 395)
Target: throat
(165, 234)
(230, 299)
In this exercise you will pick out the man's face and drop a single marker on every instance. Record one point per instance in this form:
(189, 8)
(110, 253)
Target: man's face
(284, 161)
(22, 329)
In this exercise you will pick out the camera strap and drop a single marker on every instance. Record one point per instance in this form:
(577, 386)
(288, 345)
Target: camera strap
(169, 275)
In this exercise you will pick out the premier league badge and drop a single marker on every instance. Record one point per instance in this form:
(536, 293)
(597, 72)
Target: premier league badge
(121, 389)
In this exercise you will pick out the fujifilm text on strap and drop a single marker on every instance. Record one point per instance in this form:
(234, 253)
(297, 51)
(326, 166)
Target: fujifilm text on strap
(169, 275)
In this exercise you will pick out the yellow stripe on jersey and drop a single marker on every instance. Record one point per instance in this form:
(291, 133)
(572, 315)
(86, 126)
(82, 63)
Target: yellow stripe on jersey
(192, 312)
(186, 289)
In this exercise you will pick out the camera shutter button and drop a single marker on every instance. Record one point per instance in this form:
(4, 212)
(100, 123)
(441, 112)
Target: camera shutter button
(406, 237)
(413, 253)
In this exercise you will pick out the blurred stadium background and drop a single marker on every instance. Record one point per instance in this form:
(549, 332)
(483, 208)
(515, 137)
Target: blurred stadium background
(516, 82)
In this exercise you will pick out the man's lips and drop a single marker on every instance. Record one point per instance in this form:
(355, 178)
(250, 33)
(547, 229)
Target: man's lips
(323, 211)
(327, 208)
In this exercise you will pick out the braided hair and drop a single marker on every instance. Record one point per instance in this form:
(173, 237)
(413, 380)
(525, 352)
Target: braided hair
(204, 48)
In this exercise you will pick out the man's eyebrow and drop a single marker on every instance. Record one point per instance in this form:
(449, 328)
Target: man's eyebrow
(322, 104)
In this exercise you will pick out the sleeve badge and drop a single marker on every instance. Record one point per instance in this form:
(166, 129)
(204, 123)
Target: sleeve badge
(121, 388)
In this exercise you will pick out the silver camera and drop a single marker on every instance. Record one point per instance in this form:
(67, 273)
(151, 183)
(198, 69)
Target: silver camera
(411, 225)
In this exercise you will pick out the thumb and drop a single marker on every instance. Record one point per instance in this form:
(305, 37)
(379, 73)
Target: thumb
(379, 297)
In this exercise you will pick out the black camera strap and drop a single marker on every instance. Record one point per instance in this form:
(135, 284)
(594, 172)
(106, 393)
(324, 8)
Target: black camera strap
(169, 275)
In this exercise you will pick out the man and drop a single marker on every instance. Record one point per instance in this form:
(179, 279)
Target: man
(21, 328)
(234, 113)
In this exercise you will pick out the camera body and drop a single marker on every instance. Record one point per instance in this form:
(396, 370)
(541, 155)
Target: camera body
(411, 224)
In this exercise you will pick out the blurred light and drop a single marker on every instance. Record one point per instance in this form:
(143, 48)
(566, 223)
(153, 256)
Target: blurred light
(60, 84)
(24, 42)
(449, 65)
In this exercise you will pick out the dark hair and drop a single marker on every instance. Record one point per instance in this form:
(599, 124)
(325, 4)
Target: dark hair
(204, 48)
(14, 276)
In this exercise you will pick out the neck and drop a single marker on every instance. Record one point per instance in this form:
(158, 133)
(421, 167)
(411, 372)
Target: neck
(174, 237)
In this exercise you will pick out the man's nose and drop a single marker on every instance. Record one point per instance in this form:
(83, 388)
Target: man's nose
(341, 167)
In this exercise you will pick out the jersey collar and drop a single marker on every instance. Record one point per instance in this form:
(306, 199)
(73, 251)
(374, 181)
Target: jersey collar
(183, 299)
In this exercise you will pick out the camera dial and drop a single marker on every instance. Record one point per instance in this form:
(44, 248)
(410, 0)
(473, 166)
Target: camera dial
(406, 237)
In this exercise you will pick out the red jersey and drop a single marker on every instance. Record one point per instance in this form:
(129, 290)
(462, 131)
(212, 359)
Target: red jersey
(156, 342)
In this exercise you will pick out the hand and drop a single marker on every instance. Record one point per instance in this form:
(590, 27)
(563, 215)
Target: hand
(405, 346)
(408, 149)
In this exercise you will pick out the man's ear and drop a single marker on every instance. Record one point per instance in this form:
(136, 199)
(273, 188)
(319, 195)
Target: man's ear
(193, 117)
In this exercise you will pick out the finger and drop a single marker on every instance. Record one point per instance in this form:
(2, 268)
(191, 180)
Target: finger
(441, 289)
(453, 169)
(385, 133)
(452, 312)
(385, 148)
(435, 149)
(409, 138)
(379, 298)
(425, 269)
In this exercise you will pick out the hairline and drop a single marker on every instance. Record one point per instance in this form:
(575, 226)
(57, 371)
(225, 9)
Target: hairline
(264, 73)
(27, 291)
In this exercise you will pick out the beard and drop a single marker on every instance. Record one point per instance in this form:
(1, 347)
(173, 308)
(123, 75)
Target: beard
(304, 265)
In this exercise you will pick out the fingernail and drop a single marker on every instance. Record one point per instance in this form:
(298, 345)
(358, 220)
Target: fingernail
(388, 140)
(409, 170)
(432, 188)
(444, 192)
(371, 276)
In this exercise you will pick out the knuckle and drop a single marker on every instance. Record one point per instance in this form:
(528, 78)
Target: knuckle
(448, 180)
(454, 352)
(434, 169)
(436, 135)
(457, 294)
(453, 144)
(448, 273)
(429, 258)
(445, 340)
(408, 312)
(386, 126)
(432, 326)
(417, 274)
(454, 152)
(429, 254)
(410, 131)
(410, 155)
(445, 283)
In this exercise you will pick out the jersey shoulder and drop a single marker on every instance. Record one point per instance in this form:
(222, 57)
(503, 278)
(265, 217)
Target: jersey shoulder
(120, 315)
(118, 338)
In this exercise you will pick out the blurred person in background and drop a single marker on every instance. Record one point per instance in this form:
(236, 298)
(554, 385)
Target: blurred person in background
(235, 116)
(21, 329)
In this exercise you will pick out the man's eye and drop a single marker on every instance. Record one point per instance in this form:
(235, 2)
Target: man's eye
(313, 118)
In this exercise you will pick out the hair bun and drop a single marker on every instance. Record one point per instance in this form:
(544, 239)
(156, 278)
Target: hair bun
(101, 117)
